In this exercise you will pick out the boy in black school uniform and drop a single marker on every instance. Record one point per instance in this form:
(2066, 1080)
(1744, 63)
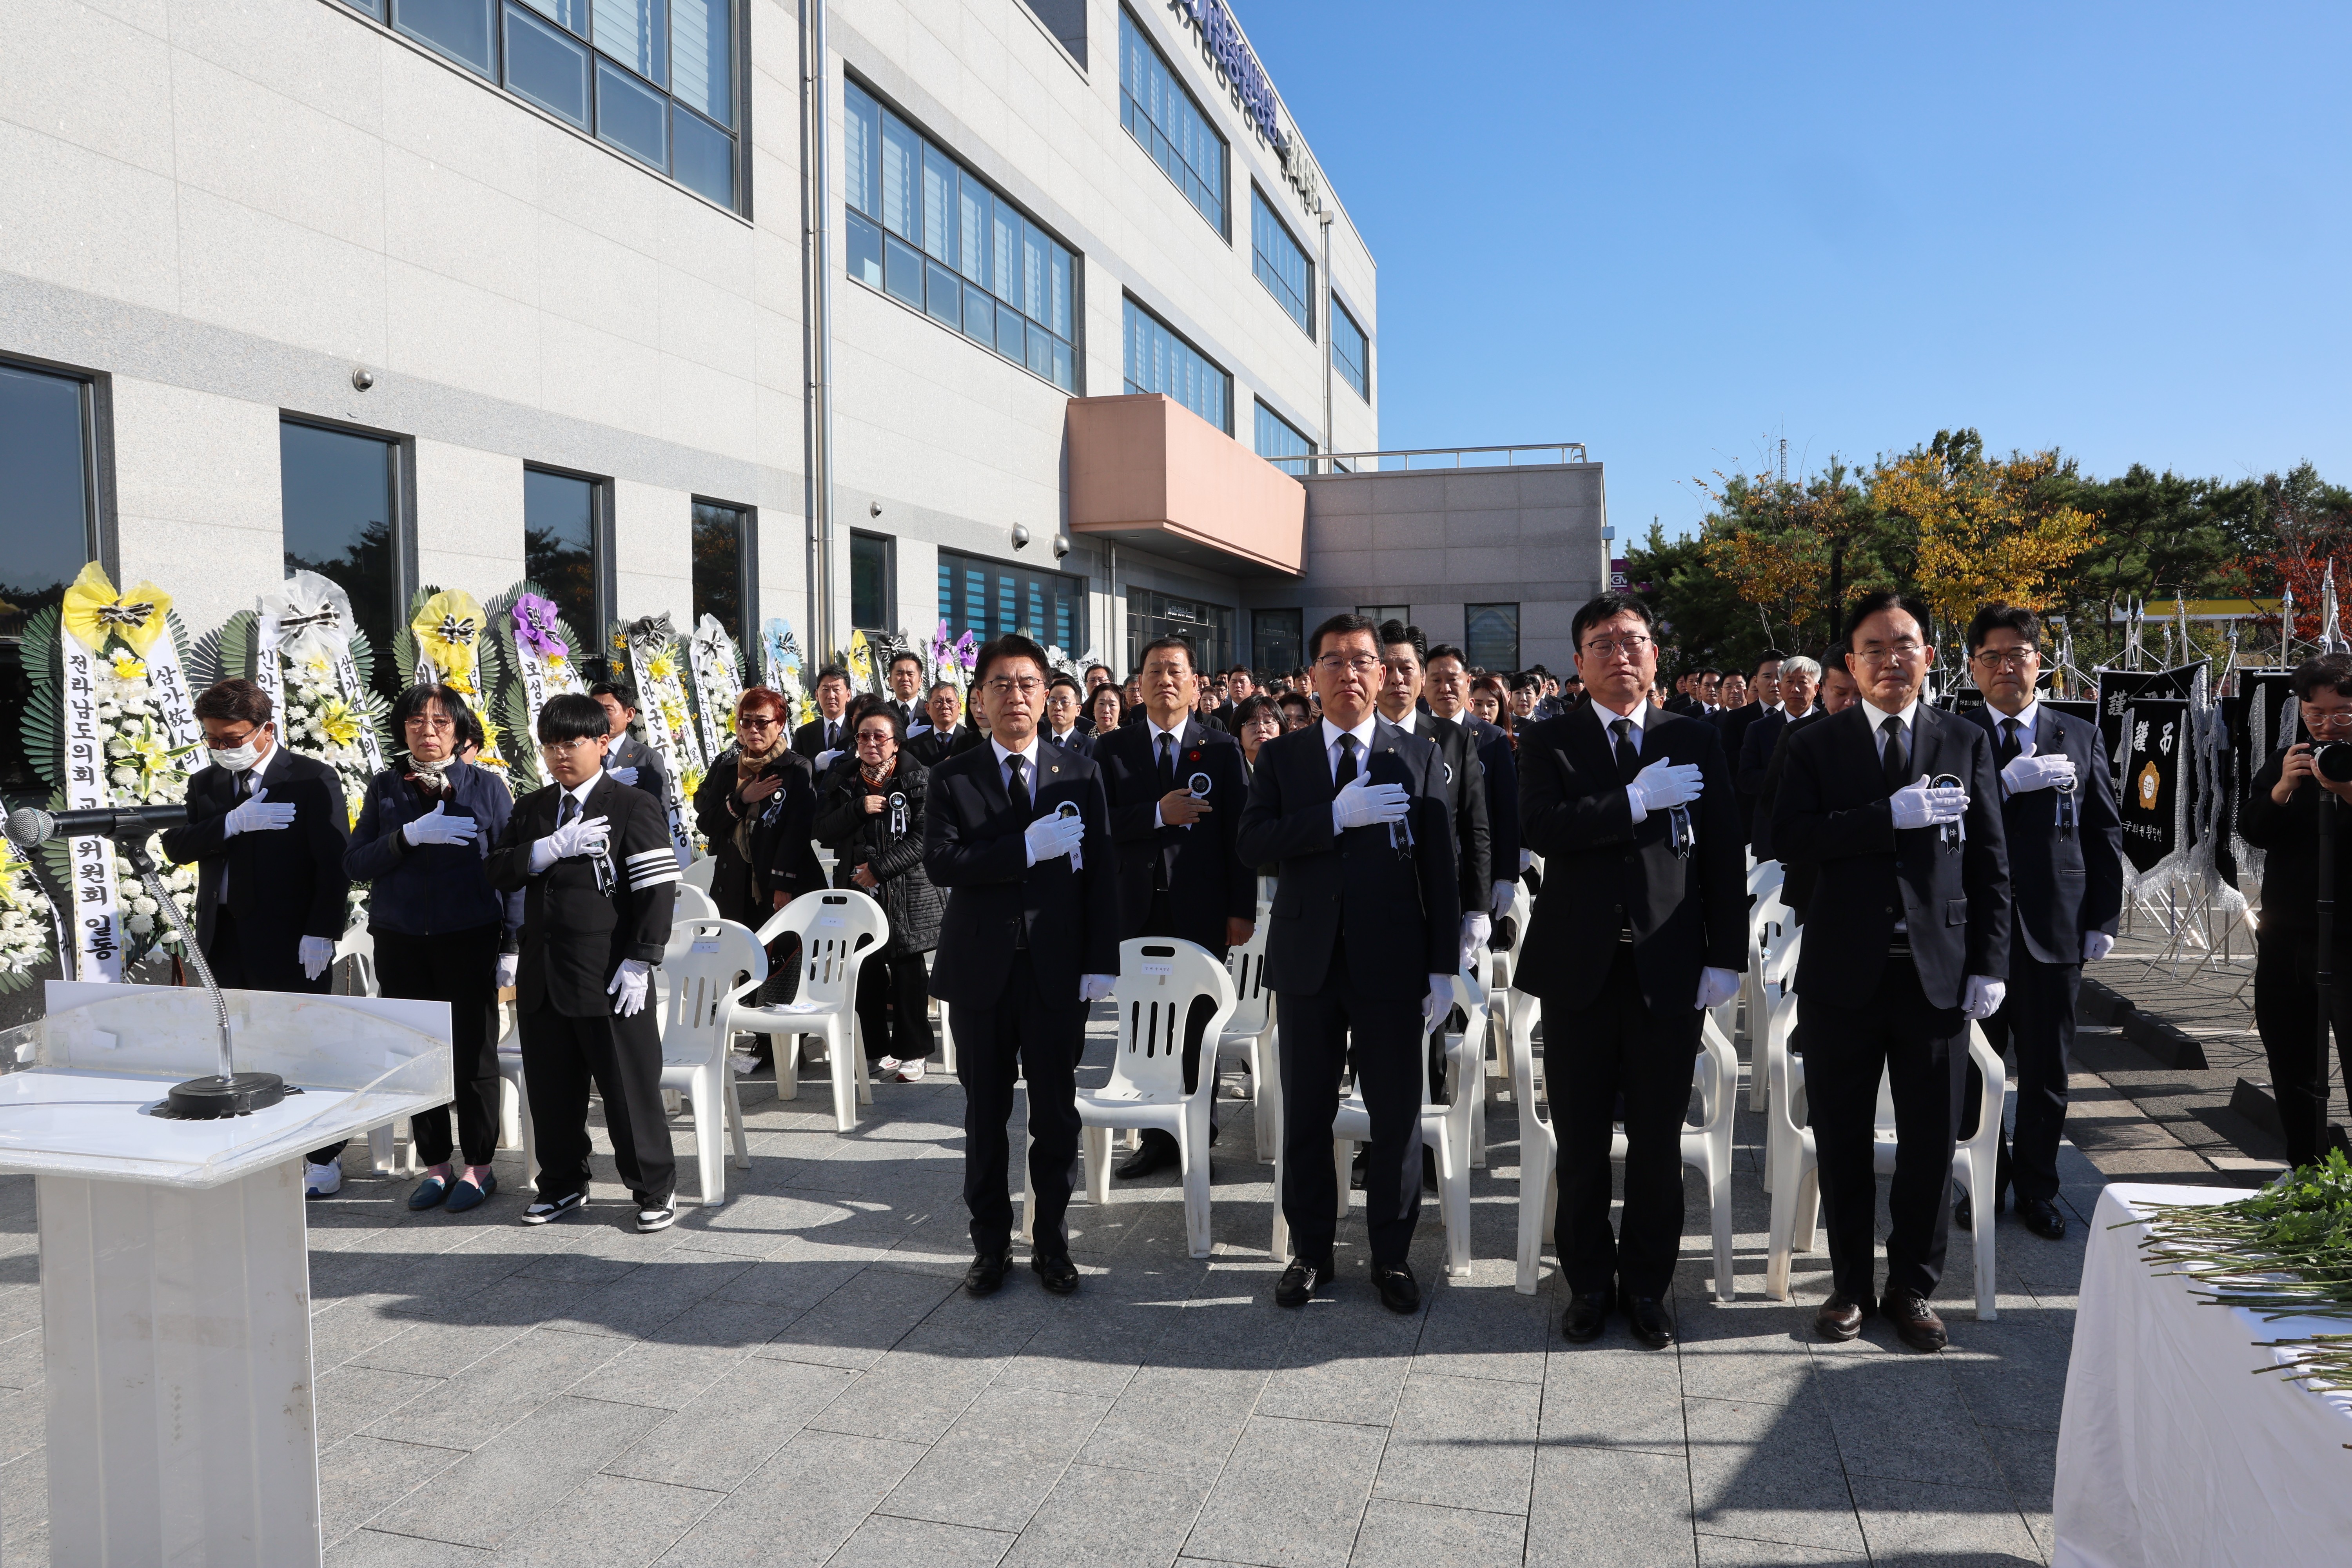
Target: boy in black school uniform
(600, 876)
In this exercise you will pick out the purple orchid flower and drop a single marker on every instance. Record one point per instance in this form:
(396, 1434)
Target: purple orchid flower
(534, 626)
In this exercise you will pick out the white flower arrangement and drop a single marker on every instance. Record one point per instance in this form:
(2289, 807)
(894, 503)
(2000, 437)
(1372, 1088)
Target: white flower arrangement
(24, 924)
(319, 722)
(143, 769)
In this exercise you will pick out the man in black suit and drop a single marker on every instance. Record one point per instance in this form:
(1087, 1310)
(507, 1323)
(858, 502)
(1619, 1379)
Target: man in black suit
(825, 737)
(931, 744)
(1239, 686)
(1763, 697)
(1447, 684)
(1019, 835)
(1838, 693)
(1796, 682)
(1906, 941)
(629, 760)
(1682, 702)
(266, 830)
(906, 682)
(1365, 939)
(2067, 873)
(599, 877)
(1061, 728)
(1403, 676)
(1176, 786)
(1640, 925)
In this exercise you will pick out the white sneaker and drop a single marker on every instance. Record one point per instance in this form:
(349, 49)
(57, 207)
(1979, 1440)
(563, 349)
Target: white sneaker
(322, 1181)
(908, 1072)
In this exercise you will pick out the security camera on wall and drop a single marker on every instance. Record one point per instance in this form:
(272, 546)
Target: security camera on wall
(1019, 536)
(1061, 545)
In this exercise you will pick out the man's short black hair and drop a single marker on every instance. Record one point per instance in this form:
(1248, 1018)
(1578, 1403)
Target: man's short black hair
(1528, 681)
(237, 700)
(905, 657)
(411, 702)
(1298, 699)
(1011, 645)
(569, 716)
(1607, 606)
(1447, 650)
(1244, 672)
(1769, 655)
(1872, 604)
(1104, 668)
(833, 672)
(1992, 617)
(1063, 677)
(1191, 660)
(1394, 632)
(1345, 624)
(620, 692)
(2324, 672)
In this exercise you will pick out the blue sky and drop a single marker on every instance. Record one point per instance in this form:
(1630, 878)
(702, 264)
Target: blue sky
(1679, 232)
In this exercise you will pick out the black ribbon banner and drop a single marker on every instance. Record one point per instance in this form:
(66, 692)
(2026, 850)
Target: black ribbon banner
(2155, 752)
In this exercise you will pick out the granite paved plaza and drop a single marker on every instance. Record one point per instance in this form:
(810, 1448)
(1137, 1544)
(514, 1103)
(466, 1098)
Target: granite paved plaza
(796, 1378)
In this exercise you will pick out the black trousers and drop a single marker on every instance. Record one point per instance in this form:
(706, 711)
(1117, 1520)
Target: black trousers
(1617, 1046)
(1025, 1034)
(1314, 1028)
(1161, 922)
(234, 970)
(561, 1056)
(460, 968)
(2036, 1021)
(2286, 1013)
(894, 997)
(1924, 1050)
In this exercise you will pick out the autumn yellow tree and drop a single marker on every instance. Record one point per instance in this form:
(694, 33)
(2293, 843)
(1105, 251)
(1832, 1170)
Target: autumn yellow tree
(1990, 529)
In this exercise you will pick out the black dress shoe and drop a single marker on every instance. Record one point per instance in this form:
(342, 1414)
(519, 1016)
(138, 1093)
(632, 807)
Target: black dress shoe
(1587, 1315)
(1400, 1293)
(1156, 1150)
(987, 1273)
(1650, 1322)
(1840, 1317)
(1058, 1274)
(1964, 1213)
(1299, 1282)
(1915, 1323)
(2042, 1219)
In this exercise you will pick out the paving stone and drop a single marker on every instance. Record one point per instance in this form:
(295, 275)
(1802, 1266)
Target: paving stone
(856, 1325)
(381, 1549)
(1095, 1517)
(2012, 1373)
(1729, 1551)
(1175, 1421)
(1596, 1507)
(1768, 1469)
(352, 1397)
(1490, 1331)
(883, 1541)
(1292, 1493)
(362, 1476)
(996, 1464)
(1344, 1362)
(798, 1508)
(1942, 1526)
(1897, 1414)
(612, 1521)
(485, 1499)
(467, 1410)
(1398, 1532)
(720, 1435)
(1463, 1443)
(1618, 1395)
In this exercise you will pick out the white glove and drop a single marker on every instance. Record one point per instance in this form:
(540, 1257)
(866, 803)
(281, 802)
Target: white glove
(1983, 997)
(824, 759)
(1363, 804)
(315, 953)
(624, 775)
(1475, 930)
(1716, 986)
(437, 827)
(509, 965)
(1437, 1004)
(1922, 804)
(582, 836)
(2025, 775)
(1051, 836)
(259, 815)
(1663, 784)
(1095, 987)
(1526, 859)
(2097, 946)
(1502, 904)
(628, 988)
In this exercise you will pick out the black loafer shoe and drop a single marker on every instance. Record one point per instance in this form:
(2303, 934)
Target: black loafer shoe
(1650, 1322)
(987, 1273)
(1299, 1282)
(2042, 1219)
(1840, 1317)
(1586, 1316)
(429, 1194)
(1058, 1274)
(1156, 1150)
(1915, 1323)
(464, 1195)
(1400, 1293)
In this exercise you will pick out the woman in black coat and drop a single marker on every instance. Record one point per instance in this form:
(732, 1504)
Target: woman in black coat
(871, 815)
(757, 808)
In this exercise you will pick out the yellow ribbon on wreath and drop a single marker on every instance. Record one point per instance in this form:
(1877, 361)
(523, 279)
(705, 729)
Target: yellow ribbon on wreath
(94, 612)
(448, 629)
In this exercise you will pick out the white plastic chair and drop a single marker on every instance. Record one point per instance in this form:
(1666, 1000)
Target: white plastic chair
(1249, 1030)
(1706, 1148)
(700, 874)
(837, 929)
(703, 991)
(511, 1073)
(1771, 925)
(693, 904)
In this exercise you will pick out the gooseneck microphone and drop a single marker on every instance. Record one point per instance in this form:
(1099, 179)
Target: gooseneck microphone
(29, 825)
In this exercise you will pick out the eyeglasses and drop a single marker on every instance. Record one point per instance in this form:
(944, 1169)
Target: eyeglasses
(435, 724)
(1609, 648)
(874, 737)
(565, 748)
(1906, 650)
(1005, 683)
(1334, 663)
(2006, 658)
(1063, 698)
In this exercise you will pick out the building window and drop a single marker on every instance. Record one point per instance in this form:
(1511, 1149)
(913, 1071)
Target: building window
(49, 530)
(340, 502)
(870, 577)
(1279, 443)
(923, 229)
(1208, 628)
(1066, 20)
(1160, 361)
(726, 570)
(1162, 114)
(653, 78)
(1280, 263)
(1351, 351)
(1277, 640)
(1491, 636)
(989, 598)
(1379, 613)
(563, 549)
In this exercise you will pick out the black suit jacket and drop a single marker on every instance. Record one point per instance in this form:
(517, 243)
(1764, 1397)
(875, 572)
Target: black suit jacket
(1397, 910)
(2065, 886)
(1603, 870)
(1752, 760)
(972, 847)
(653, 779)
(1734, 727)
(1832, 809)
(808, 738)
(1797, 883)
(931, 748)
(2289, 835)
(581, 920)
(1473, 852)
(1504, 839)
(283, 885)
(1206, 879)
(1080, 741)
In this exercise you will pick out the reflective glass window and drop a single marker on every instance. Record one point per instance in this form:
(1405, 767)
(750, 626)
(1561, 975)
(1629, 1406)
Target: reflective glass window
(1160, 361)
(1160, 112)
(1351, 351)
(1279, 262)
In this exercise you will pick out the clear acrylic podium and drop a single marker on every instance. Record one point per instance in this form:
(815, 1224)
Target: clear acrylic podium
(176, 1281)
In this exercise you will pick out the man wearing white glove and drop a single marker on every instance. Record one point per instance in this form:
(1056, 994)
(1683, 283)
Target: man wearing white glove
(599, 877)
(266, 830)
(2064, 839)
(1641, 923)
(1029, 937)
(1355, 814)
(1908, 929)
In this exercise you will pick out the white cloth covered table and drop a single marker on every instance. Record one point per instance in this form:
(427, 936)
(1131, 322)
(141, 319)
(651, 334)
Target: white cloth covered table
(2171, 1449)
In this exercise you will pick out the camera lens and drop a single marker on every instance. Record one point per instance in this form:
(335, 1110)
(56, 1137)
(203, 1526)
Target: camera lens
(2335, 761)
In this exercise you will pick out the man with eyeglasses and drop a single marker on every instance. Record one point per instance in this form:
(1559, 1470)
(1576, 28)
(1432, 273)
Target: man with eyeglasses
(1062, 728)
(1018, 832)
(1795, 680)
(1835, 695)
(1640, 927)
(2067, 876)
(1402, 677)
(826, 736)
(1907, 942)
(936, 742)
(1364, 940)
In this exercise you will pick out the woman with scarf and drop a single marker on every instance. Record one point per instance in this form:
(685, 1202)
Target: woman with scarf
(442, 932)
(755, 807)
(872, 817)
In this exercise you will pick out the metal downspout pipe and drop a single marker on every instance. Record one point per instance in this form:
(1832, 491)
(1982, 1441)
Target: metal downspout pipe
(816, 304)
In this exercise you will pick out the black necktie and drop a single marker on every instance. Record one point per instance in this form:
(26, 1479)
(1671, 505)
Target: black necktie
(1347, 774)
(2007, 753)
(1895, 762)
(832, 735)
(1167, 762)
(1629, 760)
(569, 810)
(1018, 791)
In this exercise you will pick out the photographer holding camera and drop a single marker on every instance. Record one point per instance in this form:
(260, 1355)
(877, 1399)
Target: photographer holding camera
(2282, 817)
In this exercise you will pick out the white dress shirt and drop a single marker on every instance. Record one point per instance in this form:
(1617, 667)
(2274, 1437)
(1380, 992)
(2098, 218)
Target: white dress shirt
(1363, 733)
(2026, 719)
(1028, 755)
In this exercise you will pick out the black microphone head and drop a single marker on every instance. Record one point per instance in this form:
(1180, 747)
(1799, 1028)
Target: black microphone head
(28, 825)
